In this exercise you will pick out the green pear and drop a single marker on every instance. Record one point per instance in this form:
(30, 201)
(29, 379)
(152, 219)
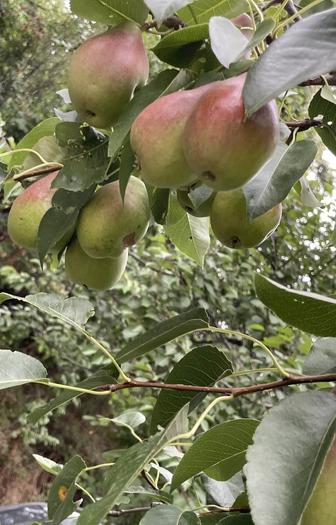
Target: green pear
(99, 274)
(223, 147)
(233, 228)
(156, 138)
(196, 202)
(107, 225)
(27, 212)
(321, 509)
(104, 72)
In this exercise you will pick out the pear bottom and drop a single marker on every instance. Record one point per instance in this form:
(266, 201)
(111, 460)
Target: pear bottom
(98, 274)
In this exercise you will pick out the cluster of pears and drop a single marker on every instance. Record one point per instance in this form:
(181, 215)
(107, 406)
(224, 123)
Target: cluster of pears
(198, 138)
(96, 251)
(203, 137)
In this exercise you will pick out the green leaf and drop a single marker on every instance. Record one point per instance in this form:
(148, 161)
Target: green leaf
(126, 469)
(159, 204)
(126, 167)
(169, 515)
(86, 162)
(326, 108)
(163, 9)
(287, 456)
(48, 465)
(17, 369)
(310, 312)
(202, 10)
(58, 223)
(102, 377)
(111, 12)
(164, 332)
(262, 30)
(190, 234)
(275, 180)
(203, 366)
(142, 98)
(220, 452)
(242, 519)
(62, 491)
(322, 358)
(304, 51)
(43, 129)
(178, 48)
(130, 419)
(227, 41)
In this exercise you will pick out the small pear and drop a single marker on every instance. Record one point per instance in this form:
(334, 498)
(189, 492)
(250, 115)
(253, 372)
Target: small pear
(107, 225)
(223, 147)
(104, 72)
(27, 212)
(156, 138)
(321, 508)
(99, 274)
(233, 228)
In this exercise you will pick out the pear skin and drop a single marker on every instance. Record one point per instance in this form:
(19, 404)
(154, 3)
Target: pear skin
(98, 274)
(231, 225)
(224, 148)
(107, 225)
(156, 138)
(28, 210)
(104, 72)
(321, 508)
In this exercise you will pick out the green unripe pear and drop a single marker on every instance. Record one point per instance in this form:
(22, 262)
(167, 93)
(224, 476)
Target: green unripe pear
(156, 138)
(107, 225)
(223, 147)
(233, 228)
(105, 71)
(321, 509)
(99, 274)
(194, 208)
(27, 212)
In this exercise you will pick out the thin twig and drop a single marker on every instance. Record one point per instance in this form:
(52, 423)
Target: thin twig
(321, 81)
(230, 391)
(303, 125)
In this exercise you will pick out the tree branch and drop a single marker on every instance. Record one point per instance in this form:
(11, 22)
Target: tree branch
(230, 391)
(303, 125)
(321, 81)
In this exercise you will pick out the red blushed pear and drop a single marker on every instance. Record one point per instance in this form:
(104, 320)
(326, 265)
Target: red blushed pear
(104, 72)
(156, 138)
(233, 228)
(98, 274)
(321, 508)
(107, 225)
(223, 147)
(28, 210)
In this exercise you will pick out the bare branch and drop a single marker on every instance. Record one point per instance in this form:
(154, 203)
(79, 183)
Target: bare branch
(230, 391)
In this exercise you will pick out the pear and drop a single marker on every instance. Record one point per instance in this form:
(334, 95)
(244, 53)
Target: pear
(233, 228)
(107, 225)
(321, 508)
(104, 72)
(156, 138)
(27, 212)
(99, 274)
(223, 147)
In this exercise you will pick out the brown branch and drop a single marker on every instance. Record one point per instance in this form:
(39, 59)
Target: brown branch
(321, 81)
(303, 125)
(35, 173)
(229, 391)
